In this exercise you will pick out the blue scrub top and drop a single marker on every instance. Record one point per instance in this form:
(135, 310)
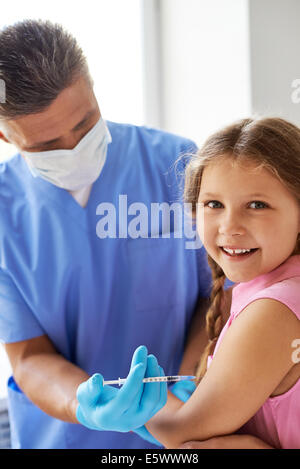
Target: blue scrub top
(96, 299)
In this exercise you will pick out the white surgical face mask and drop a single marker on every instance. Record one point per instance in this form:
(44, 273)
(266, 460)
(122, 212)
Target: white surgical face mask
(76, 168)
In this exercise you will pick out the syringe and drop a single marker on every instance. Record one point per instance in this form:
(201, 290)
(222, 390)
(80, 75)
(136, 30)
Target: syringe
(153, 379)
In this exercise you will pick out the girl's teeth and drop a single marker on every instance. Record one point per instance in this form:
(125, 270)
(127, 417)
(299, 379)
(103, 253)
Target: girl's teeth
(236, 251)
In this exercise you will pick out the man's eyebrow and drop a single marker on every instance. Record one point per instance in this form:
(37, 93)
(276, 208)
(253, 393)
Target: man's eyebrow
(55, 140)
(86, 117)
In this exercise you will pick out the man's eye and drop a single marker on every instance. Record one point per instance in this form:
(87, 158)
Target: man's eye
(211, 203)
(259, 204)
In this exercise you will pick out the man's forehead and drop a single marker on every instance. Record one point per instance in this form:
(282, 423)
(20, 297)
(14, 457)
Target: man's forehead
(89, 114)
(70, 107)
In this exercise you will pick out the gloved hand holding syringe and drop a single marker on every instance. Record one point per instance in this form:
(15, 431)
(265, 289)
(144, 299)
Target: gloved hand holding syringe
(127, 408)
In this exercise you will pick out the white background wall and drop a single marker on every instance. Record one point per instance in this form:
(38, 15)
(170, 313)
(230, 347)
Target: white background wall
(275, 52)
(205, 65)
(224, 60)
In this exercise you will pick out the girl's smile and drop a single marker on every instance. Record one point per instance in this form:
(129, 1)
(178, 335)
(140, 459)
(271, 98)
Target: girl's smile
(238, 254)
(247, 219)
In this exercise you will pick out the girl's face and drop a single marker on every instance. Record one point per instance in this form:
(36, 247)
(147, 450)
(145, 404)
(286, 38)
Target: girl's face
(242, 209)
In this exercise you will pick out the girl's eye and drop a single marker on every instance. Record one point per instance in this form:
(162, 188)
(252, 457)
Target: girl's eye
(212, 202)
(215, 204)
(260, 204)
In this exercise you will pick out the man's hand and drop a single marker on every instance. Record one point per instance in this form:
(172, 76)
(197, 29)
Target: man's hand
(125, 409)
(183, 389)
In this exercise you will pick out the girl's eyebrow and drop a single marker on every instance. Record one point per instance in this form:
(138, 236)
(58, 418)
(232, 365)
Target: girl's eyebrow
(210, 194)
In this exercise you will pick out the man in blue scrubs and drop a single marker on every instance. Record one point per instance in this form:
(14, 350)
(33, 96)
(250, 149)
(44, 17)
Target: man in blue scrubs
(77, 295)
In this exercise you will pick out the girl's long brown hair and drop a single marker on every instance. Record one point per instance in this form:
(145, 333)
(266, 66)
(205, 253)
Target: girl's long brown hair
(271, 143)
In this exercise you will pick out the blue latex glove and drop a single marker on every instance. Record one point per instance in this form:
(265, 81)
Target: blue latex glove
(146, 435)
(126, 408)
(183, 390)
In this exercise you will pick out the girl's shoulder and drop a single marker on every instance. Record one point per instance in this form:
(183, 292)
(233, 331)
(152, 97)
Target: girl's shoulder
(286, 292)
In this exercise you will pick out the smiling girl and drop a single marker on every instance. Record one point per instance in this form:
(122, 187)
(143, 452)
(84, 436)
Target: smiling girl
(244, 187)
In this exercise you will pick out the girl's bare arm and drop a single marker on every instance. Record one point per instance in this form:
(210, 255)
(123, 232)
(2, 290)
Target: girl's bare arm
(257, 346)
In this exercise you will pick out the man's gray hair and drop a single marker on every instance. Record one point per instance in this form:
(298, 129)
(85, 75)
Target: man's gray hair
(38, 60)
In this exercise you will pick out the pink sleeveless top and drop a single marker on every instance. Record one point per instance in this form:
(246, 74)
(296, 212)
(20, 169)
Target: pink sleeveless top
(277, 422)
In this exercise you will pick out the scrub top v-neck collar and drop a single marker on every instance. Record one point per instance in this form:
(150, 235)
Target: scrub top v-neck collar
(82, 195)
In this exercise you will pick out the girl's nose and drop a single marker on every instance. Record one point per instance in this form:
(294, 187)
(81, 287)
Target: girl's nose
(231, 225)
